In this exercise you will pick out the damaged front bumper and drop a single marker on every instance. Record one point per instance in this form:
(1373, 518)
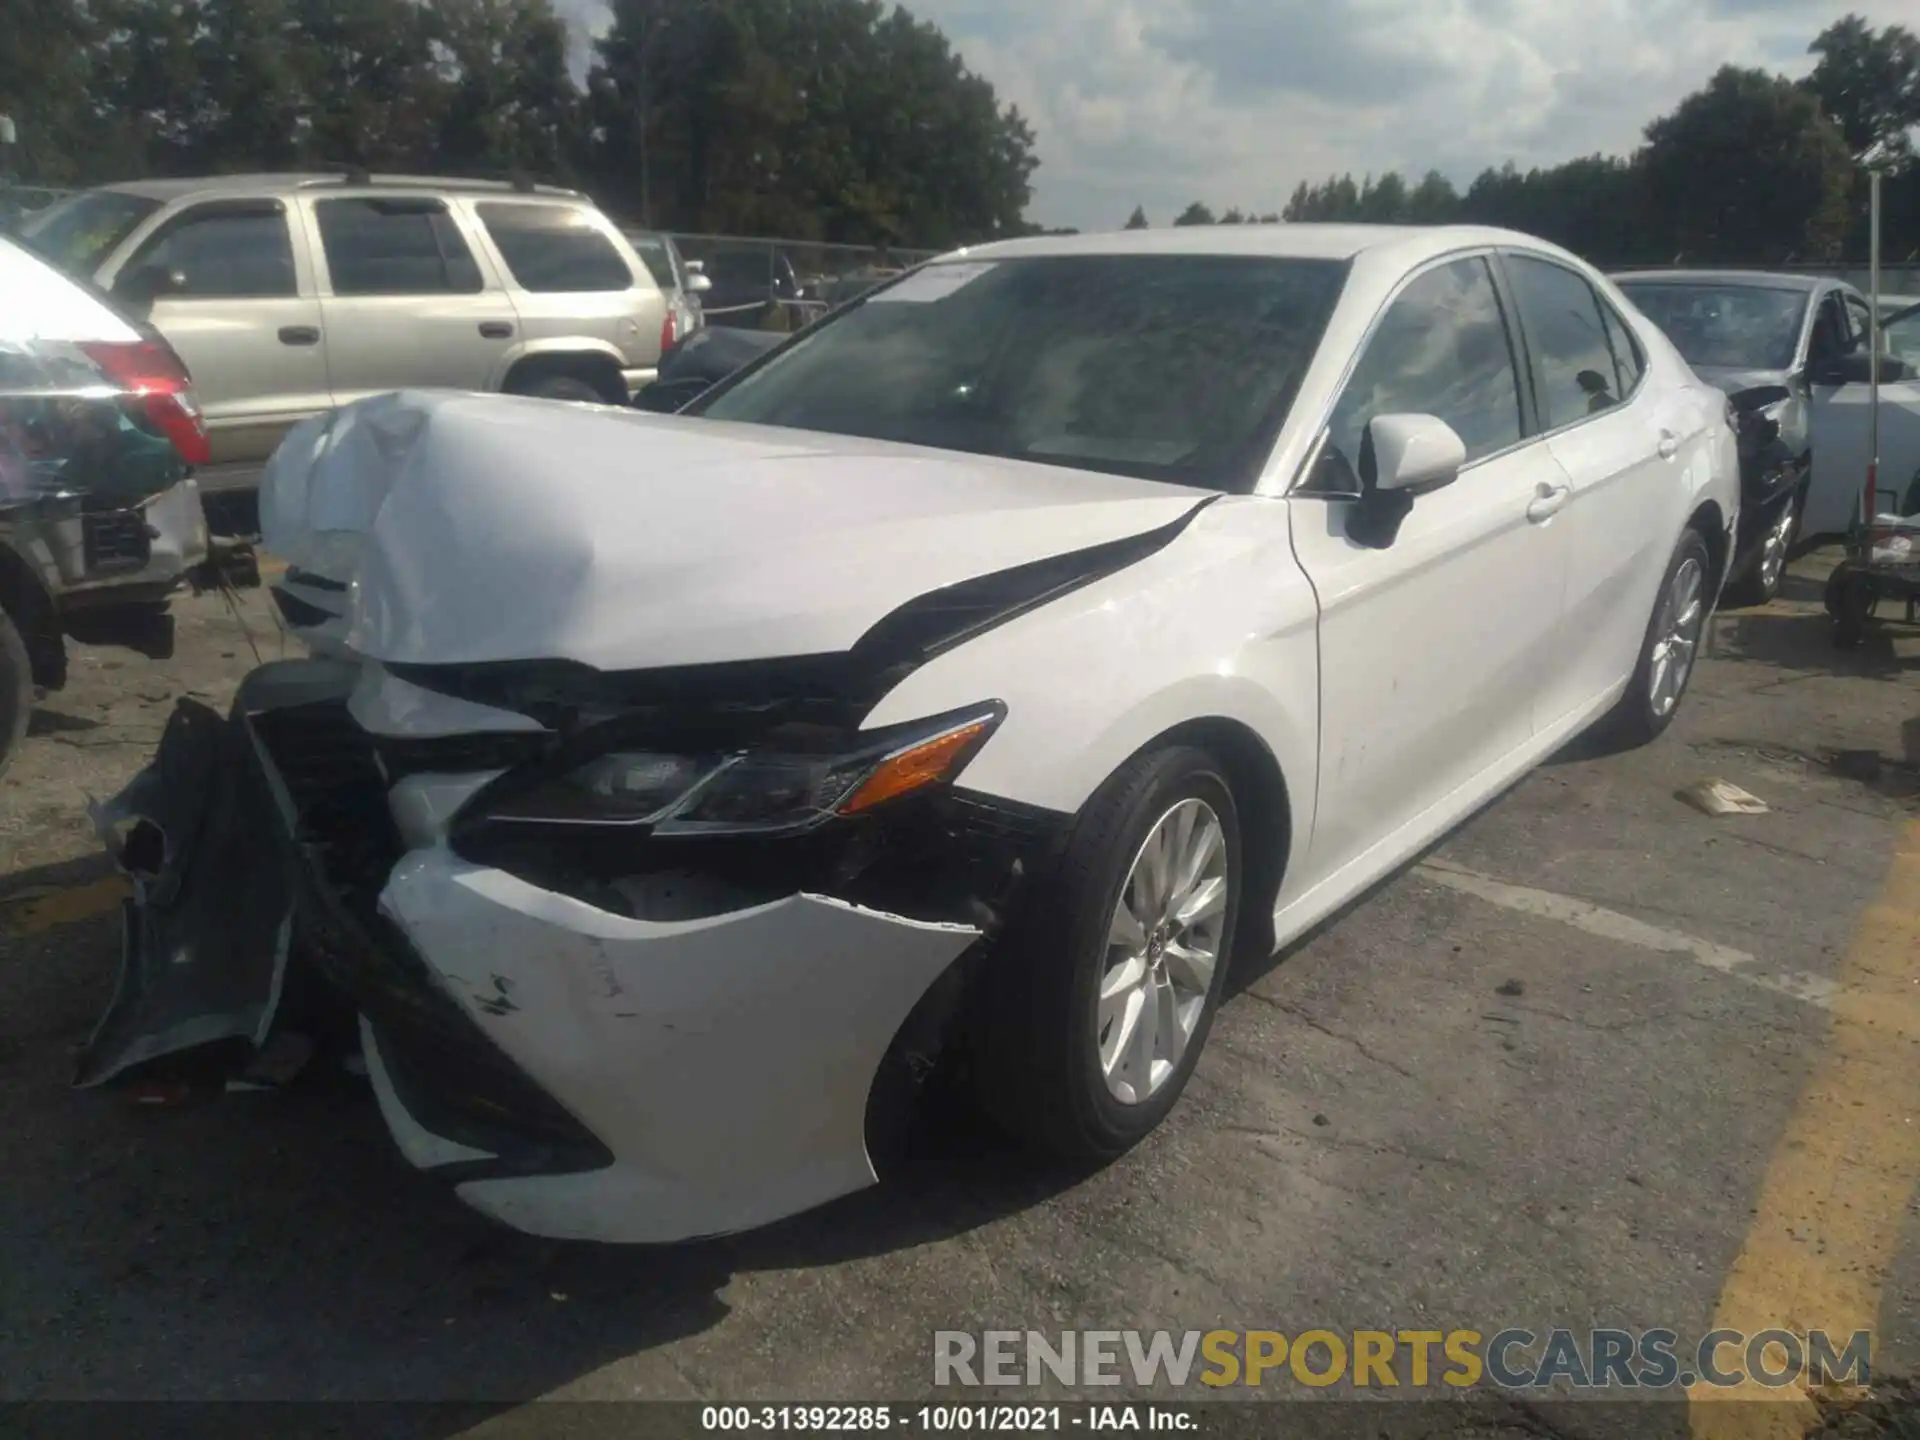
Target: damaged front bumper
(575, 1072)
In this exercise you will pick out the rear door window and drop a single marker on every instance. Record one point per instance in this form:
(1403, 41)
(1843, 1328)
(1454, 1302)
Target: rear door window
(554, 249)
(224, 250)
(397, 246)
(1573, 365)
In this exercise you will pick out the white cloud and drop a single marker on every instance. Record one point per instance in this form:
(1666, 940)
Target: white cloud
(1160, 102)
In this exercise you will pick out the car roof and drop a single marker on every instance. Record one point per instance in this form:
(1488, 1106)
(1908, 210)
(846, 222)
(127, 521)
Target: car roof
(39, 302)
(295, 182)
(1407, 243)
(1758, 279)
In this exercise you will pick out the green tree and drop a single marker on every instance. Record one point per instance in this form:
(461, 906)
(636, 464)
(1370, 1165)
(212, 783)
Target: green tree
(1137, 220)
(829, 119)
(44, 53)
(1194, 214)
(1748, 169)
(1868, 82)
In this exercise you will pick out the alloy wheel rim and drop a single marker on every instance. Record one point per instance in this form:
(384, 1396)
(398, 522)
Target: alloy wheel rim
(1677, 636)
(1163, 947)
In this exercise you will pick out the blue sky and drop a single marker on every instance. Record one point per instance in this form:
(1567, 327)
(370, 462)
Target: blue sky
(1159, 102)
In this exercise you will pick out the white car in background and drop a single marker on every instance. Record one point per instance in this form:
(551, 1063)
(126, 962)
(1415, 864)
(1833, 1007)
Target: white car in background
(980, 672)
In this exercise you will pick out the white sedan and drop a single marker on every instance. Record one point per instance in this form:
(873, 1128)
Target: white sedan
(970, 679)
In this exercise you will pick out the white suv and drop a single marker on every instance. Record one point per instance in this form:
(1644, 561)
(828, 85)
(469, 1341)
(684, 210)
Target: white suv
(290, 294)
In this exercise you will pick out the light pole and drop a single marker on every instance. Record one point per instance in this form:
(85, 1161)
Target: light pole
(1880, 160)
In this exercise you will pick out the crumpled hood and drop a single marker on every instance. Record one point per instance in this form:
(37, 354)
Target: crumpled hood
(1733, 381)
(478, 528)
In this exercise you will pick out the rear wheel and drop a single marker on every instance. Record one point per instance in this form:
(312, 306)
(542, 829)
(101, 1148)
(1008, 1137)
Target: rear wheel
(563, 387)
(1099, 999)
(16, 690)
(1669, 649)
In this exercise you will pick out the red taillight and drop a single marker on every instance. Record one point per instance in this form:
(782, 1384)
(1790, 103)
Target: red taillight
(151, 370)
(669, 331)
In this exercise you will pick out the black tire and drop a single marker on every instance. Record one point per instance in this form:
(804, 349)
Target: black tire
(564, 387)
(1756, 586)
(1635, 720)
(1036, 1043)
(16, 691)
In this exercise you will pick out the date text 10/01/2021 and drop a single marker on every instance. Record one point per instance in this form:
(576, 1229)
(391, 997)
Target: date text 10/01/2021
(937, 1419)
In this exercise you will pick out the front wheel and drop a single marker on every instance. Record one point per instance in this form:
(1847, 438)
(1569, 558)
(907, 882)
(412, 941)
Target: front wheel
(16, 690)
(1100, 996)
(1668, 650)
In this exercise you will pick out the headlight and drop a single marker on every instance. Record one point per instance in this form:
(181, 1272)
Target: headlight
(771, 791)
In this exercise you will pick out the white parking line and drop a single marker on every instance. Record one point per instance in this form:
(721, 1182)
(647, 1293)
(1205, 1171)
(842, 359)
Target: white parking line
(1612, 925)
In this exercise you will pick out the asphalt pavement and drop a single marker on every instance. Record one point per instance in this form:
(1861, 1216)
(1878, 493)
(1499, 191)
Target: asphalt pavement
(1598, 1060)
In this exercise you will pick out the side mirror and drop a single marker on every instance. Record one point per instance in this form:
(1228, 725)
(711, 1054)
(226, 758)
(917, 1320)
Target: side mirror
(1414, 452)
(1402, 456)
(698, 281)
(144, 284)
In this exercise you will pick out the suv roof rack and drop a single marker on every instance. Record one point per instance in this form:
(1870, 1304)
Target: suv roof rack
(515, 181)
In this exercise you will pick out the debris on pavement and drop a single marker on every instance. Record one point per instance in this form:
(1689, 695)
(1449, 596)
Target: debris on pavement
(1722, 797)
(161, 1094)
(1510, 988)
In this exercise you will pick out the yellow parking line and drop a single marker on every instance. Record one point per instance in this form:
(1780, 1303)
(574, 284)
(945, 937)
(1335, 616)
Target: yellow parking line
(41, 913)
(1831, 1208)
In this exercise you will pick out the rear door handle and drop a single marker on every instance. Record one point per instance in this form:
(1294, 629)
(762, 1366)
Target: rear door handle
(495, 330)
(299, 334)
(1547, 500)
(1669, 444)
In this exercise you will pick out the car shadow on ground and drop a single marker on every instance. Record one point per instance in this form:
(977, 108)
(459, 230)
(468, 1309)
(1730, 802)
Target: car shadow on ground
(274, 1245)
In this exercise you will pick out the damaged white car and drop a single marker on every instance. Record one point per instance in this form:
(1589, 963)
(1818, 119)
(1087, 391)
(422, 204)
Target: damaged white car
(964, 682)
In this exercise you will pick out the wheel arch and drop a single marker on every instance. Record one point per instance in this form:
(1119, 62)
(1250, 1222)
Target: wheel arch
(592, 361)
(1710, 521)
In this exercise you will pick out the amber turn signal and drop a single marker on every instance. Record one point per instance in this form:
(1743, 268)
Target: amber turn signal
(915, 767)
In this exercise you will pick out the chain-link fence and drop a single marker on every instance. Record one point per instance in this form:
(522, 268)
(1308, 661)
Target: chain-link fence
(774, 284)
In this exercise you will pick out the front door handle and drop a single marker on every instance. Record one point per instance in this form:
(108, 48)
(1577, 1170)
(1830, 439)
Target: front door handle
(1669, 444)
(299, 334)
(1547, 500)
(495, 330)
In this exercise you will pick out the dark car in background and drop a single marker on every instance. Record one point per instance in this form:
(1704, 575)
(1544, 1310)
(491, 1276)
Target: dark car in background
(1790, 351)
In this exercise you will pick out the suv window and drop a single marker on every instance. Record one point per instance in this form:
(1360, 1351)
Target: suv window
(1440, 349)
(553, 249)
(1573, 365)
(401, 246)
(79, 232)
(224, 251)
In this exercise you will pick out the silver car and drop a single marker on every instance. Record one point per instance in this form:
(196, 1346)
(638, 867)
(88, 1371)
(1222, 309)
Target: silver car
(290, 294)
(681, 280)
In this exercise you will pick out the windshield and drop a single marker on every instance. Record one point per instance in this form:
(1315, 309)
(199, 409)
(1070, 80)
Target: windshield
(1168, 367)
(1733, 327)
(79, 232)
